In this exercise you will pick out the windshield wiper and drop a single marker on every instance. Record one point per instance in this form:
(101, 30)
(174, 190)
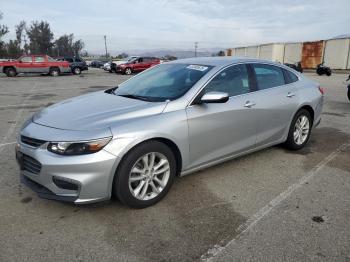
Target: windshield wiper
(144, 98)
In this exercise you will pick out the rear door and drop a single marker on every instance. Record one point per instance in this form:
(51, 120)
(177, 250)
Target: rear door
(278, 100)
(25, 64)
(223, 129)
(40, 65)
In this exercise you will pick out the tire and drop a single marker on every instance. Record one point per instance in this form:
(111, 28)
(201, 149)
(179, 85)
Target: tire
(319, 72)
(76, 71)
(54, 71)
(329, 72)
(349, 94)
(128, 71)
(10, 72)
(292, 142)
(133, 193)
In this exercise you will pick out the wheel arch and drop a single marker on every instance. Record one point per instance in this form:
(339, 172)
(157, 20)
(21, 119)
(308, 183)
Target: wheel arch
(7, 67)
(310, 110)
(171, 144)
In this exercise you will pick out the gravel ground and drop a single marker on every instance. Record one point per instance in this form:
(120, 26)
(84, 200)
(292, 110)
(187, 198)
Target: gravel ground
(273, 205)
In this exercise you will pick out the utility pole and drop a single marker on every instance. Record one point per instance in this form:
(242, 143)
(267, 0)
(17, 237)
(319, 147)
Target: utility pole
(106, 44)
(195, 48)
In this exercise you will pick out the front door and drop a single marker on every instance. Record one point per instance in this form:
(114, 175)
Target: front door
(25, 64)
(223, 129)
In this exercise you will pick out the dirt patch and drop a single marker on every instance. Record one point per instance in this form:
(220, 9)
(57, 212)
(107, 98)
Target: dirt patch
(26, 200)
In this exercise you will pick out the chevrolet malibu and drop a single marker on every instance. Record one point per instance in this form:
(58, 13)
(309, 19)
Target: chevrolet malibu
(176, 118)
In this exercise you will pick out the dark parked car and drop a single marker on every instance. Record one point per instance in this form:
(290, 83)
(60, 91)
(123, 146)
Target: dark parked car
(76, 64)
(296, 66)
(97, 64)
(137, 65)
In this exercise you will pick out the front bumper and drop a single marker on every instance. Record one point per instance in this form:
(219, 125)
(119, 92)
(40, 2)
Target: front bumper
(89, 177)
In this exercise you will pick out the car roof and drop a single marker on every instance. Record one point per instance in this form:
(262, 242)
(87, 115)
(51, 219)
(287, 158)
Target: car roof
(220, 61)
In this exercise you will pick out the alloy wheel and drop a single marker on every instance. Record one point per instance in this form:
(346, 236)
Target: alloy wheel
(149, 176)
(301, 130)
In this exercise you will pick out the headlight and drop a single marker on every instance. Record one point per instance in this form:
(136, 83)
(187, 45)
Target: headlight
(78, 148)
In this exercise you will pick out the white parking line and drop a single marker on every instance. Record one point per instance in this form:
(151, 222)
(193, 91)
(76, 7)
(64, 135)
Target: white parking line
(7, 144)
(263, 212)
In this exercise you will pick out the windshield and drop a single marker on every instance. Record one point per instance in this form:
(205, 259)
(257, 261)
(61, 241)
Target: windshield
(164, 82)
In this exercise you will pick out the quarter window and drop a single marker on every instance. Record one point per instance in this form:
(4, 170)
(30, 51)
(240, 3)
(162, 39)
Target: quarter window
(290, 77)
(268, 76)
(26, 59)
(233, 81)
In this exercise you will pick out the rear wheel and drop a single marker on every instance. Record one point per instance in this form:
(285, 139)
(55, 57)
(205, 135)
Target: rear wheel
(76, 71)
(54, 71)
(299, 131)
(128, 71)
(10, 72)
(145, 175)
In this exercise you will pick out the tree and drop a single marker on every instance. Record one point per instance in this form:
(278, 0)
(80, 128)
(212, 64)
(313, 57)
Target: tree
(13, 49)
(65, 46)
(40, 38)
(3, 31)
(78, 46)
(122, 56)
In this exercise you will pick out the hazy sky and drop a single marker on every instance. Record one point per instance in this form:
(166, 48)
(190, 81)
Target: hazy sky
(152, 24)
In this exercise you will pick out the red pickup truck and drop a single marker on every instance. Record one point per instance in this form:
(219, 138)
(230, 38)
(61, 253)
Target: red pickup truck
(34, 64)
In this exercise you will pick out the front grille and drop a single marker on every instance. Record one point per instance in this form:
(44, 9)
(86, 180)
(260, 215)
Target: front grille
(30, 164)
(32, 141)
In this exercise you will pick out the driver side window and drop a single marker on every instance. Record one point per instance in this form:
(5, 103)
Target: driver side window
(26, 59)
(233, 80)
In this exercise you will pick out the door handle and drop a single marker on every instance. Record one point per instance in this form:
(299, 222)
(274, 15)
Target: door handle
(249, 104)
(290, 94)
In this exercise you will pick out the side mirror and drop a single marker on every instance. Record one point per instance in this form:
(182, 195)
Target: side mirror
(214, 97)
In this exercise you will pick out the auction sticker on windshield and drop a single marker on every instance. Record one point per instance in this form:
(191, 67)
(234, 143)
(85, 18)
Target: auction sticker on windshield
(198, 67)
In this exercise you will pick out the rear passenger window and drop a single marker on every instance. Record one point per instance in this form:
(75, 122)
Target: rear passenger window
(39, 59)
(233, 80)
(268, 76)
(290, 77)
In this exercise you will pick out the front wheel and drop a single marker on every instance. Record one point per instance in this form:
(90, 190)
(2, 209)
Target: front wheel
(77, 71)
(299, 131)
(145, 175)
(128, 71)
(11, 72)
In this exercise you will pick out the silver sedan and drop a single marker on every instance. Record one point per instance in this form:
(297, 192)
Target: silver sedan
(171, 120)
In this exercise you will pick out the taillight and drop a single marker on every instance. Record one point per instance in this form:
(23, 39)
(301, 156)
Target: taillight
(321, 90)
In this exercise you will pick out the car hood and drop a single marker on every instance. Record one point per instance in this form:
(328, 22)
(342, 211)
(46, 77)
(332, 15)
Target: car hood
(95, 111)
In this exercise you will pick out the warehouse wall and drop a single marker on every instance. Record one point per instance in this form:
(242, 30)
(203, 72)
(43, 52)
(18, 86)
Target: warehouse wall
(292, 53)
(273, 52)
(336, 53)
(240, 51)
(252, 51)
